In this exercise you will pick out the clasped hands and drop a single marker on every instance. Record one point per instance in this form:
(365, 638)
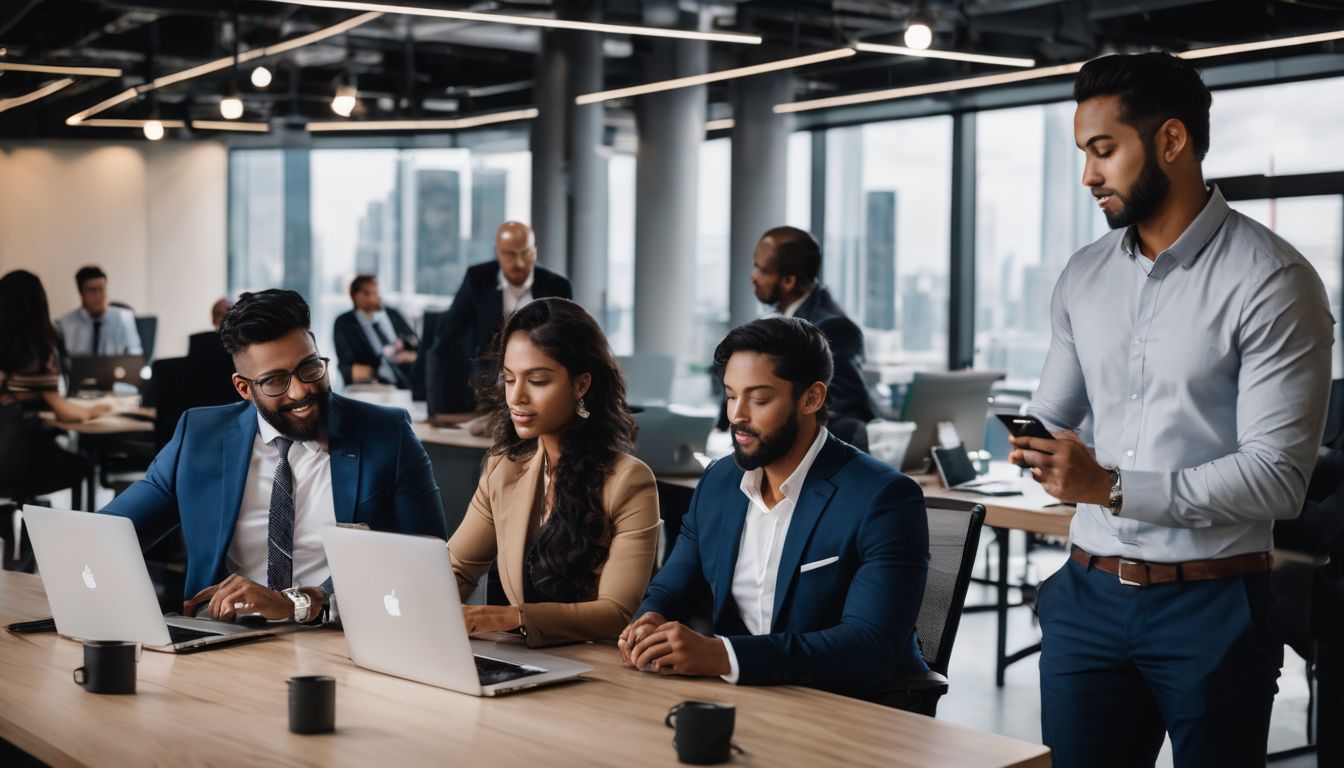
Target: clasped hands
(651, 643)
(1064, 467)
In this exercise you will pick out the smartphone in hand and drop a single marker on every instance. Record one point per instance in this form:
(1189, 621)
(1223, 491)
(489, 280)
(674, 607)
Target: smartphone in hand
(1024, 426)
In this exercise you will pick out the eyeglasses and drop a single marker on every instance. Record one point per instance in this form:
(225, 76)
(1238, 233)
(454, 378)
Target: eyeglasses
(311, 370)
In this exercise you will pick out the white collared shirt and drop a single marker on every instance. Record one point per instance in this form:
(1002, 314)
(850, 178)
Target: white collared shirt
(514, 297)
(792, 308)
(763, 535)
(117, 334)
(314, 509)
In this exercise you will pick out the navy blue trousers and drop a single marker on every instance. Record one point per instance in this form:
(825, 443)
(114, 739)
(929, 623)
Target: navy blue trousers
(1121, 665)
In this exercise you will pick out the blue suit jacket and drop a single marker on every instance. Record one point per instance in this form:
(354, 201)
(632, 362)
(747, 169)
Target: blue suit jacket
(380, 476)
(848, 626)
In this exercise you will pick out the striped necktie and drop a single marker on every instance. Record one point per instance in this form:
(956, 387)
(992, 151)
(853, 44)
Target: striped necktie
(280, 531)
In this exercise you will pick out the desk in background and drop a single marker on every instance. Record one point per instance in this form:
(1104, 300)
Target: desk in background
(126, 418)
(229, 707)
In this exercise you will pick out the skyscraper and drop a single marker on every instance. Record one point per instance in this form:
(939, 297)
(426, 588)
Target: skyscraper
(438, 231)
(879, 263)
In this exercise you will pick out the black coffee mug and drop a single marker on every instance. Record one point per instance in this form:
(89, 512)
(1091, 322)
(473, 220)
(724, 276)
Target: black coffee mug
(704, 731)
(312, 704)
(109, 666)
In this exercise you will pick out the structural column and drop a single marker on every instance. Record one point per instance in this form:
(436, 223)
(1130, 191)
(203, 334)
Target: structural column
(759, 180)
(549, 215)
(586, 203)
(671, 126)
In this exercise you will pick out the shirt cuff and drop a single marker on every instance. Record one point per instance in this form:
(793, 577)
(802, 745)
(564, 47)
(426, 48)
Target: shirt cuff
(733, 671)
(1147, 497)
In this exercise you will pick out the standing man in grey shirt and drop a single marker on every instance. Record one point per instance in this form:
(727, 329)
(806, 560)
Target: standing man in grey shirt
(1199, 342)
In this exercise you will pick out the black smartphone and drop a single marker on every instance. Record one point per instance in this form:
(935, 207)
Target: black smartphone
(38, 625)
(1024, 426)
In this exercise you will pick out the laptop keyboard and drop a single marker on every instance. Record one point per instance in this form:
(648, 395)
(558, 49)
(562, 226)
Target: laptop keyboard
(494, 671)
(184, 635)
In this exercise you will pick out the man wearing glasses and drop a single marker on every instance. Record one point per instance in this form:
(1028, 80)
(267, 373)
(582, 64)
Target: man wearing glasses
(252, 485)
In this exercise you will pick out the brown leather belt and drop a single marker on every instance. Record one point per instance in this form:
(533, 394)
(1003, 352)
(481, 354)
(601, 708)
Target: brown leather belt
(1138, 573)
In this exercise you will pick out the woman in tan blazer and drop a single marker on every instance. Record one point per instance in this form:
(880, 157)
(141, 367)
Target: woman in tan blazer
(570, 515)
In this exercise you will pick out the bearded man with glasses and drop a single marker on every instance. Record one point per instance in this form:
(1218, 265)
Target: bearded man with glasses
(252, 484)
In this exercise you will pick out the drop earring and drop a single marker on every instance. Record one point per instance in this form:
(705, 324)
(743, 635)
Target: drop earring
(582, 410)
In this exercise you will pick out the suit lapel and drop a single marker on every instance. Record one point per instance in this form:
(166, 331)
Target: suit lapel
(343, 448)
(730, 542)
(816, 495)
(235, 458)
(512, 521)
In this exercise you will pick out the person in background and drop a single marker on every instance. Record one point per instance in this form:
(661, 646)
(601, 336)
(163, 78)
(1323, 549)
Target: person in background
(786, 275)
(97, 328)
(30, 458)
(252, 484)
(489, 293)
(566, 510)
(1198, 341)
(373, 342)
(813, 553)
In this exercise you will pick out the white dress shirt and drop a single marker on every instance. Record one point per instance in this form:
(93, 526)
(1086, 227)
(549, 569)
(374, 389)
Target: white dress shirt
(513, 297)
(793, 308)
(763, 536)
(116, 336)
(313, 509)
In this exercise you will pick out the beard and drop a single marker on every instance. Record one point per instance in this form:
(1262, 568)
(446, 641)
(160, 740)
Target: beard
(769, 449)
(1145, 197)
(290, 427)
(769, 296)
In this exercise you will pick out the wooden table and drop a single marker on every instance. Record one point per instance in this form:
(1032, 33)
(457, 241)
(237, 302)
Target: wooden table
(229, 707)
(1034, 511)
(127, 417)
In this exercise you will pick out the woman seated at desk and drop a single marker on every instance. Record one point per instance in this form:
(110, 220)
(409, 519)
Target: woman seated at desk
(570, 514)
(31, 462)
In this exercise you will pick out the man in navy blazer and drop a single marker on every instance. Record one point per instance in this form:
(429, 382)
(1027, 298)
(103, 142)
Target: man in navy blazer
(253, 483)
(814, 553)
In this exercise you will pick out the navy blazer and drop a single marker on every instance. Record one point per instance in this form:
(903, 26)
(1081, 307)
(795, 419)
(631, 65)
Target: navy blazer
(353, 346)
(380, 476)
(848, 394)
(848, 626)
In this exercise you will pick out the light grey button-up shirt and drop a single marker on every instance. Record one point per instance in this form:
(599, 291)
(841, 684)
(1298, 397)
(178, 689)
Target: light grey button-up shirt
(117, 336)
(1207, 379)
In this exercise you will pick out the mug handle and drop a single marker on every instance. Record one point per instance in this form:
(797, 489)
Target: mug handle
(671, 720)
(79, 676)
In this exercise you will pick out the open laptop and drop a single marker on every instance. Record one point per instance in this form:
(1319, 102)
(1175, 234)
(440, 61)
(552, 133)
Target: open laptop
(672, 440)
(101, 372)
(99, 589)
(398, 600)
(958, 474)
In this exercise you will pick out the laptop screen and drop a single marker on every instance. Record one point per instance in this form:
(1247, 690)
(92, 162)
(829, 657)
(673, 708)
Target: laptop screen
(954, 465)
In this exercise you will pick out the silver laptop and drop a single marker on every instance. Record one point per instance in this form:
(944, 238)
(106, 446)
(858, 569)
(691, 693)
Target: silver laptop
(99, 589)
(672, 439)
(101, 373)
(398, 600)
(958, 474)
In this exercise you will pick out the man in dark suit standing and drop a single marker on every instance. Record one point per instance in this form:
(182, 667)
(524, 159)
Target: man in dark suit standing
(373, 342)
(489, 293)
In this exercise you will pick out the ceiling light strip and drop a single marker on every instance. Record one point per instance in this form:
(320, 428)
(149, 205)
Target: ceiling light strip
(223, 63)
(976, 58)
(1041, 72)
(929, 88)
(41, 93)
(1263, 45)
(336, 126)
(722, 124)
(231, 125)
(530, 21)
(108, 122)
(52, 69)
(714, 77)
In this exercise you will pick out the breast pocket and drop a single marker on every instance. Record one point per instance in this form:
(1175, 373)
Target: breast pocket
(816, 564)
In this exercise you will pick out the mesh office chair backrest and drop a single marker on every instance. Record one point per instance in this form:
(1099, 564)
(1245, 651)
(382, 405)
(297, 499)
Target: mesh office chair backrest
(954, 535)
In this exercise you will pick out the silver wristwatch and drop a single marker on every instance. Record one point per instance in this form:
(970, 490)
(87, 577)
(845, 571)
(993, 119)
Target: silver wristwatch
(301, 601)
(1117, 494)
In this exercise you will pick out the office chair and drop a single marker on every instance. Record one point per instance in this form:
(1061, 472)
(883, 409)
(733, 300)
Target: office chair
(419, 372)
(954, 533)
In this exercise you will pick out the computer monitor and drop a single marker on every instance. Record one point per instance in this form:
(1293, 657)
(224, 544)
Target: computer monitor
(960, 397)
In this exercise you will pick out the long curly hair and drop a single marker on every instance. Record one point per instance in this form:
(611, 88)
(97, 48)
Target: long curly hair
(26, 333)
(569, 546)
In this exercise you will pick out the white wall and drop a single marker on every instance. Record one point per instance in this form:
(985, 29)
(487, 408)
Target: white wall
(153, 216)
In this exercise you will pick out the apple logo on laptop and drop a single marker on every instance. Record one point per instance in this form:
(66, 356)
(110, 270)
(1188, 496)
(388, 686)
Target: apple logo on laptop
(88, 577)
(392, 604)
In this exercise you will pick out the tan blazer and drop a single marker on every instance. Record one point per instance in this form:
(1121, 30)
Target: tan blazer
(496, 527)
